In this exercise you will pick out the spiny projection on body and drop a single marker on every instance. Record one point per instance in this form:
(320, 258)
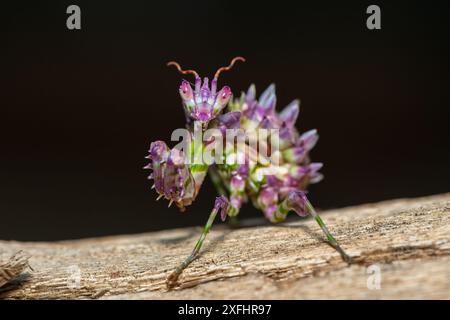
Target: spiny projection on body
(274, 188)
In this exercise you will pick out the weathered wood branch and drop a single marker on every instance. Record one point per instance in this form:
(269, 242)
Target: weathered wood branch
(407, 240)
(13, 267)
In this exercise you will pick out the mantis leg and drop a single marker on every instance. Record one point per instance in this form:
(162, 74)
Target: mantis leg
(221, 204)
(298, 202)
(235, 193)
(217, 182)
(327, 232)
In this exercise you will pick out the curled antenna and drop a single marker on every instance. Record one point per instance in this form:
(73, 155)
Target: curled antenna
(220, 70)
(177, 65)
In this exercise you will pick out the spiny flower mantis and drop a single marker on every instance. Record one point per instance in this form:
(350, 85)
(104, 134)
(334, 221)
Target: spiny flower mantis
(275, 187)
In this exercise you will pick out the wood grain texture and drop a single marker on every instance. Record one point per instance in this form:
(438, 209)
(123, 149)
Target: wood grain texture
(13, 267)
(407, 239)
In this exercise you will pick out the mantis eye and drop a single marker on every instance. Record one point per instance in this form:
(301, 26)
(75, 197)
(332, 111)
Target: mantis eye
(223, 96)
(186, 90)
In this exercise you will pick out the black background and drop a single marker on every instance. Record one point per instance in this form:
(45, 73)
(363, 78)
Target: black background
(78, 109)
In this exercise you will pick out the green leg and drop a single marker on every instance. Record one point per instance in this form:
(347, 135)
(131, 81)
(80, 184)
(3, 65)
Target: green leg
(220, 204)
(233, 221)
(298, 202)
(217, 182)
(327, 232)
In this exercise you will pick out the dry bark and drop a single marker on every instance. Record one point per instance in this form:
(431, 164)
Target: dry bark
(13, 267)
(407, 239)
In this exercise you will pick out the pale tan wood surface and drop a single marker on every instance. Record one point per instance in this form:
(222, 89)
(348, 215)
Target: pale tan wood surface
(408, 240)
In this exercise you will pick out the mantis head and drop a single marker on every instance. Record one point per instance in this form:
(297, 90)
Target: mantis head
(204, 103)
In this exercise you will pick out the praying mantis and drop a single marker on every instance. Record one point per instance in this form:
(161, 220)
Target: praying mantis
(274, 187)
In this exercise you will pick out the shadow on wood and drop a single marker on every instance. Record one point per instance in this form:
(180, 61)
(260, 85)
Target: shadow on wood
(407, 240)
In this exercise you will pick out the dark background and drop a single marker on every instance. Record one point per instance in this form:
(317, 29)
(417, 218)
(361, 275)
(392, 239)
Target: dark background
(78, 109)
